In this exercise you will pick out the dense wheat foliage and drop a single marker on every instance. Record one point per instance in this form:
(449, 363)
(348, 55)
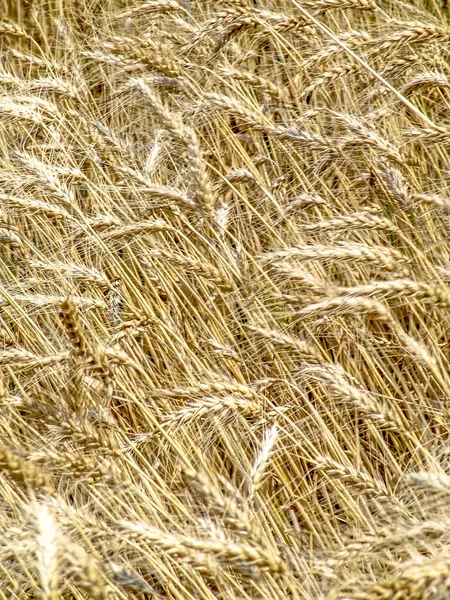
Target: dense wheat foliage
(225, 300)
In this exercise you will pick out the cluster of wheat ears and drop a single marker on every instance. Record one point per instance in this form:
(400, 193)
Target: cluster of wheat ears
(225, 300)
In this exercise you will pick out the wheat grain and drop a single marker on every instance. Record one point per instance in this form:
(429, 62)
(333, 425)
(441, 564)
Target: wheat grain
(207, 407)
(335, 378)
(88, 573)
(235, 554)
(359, 481)
(24, 472)
(430, 481)
(424, 80)
(399, 288)
(282, 340)
(350, 38)
(389, 258)
(325, 5)
(72, 271)
(201, 268)
(20, 358)
(336, 73)
(47, 555)
(152, 7)
(258, 470)
(265, 85)
(224, 506)
(143, 50)
(367, 136)
(417, 580)
(135, 229)
(9, 28)
(368, 218)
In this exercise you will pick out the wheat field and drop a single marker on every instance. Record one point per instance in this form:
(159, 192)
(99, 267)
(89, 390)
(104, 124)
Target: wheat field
(225, 300)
